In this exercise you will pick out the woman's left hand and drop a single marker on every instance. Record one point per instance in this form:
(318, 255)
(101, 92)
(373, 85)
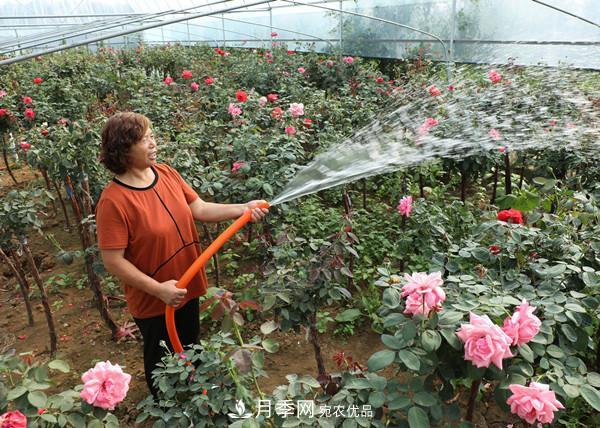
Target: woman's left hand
(257, 213)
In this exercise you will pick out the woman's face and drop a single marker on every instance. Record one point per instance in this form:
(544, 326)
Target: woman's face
(143, 153)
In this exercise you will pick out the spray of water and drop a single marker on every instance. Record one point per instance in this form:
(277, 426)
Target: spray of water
(528, 108)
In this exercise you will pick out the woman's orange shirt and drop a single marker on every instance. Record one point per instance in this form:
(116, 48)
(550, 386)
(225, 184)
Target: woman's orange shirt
(156, 228)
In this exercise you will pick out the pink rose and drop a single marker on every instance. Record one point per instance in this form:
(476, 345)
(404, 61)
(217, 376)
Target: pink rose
(105, 385)
(329, 63)
(429, 123)
(194, 86)
(522, 326)
(276, 113)
(14, 419)
(186, 74)
(450, 87)
(3, 94)
(234, 110)
(434, 91)
(485, 342)
(405, 206)
(209, 80)
(348, 60)
(236, 166)
(501, 149)
(533, 402)
(262, 101)
(290, 130)
(168, 80)
(494, 76)
(301, 70)
(494, 133)
(274, 34)
(296, 109)
(424, 293)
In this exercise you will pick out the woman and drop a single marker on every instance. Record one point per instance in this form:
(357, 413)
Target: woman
(147, 236)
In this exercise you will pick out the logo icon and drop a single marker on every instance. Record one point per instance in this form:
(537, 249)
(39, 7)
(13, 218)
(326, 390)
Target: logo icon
(240, 408)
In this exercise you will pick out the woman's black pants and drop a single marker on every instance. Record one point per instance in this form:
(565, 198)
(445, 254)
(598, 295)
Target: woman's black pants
(187, 320)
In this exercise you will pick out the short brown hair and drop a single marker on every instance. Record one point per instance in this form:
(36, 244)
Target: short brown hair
(120, 132)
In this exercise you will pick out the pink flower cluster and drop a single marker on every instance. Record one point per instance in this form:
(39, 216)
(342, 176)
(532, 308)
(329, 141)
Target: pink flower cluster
(534, 402)
(522, 326)
(405, 206)
(348, 59)
(424, 293)
(434, 91)
(429, 123)
(485, 342)
(237, 165)
(105, 385)
(234, 110)
(296, 109)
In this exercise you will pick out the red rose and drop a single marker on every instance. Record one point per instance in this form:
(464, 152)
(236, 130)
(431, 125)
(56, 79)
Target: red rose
(511, 216)
(29, 113)
(209, 80)
(495, 250)
(44, 132)
(38, 80)
(380, 80)
(3, 112)
(186, 74)
(272, 97)
(307, 122)
(241, 96)
(27, 100)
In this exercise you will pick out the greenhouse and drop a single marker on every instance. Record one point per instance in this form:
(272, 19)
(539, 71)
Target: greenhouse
(300, 213)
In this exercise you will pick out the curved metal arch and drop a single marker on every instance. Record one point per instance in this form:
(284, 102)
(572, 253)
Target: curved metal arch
(445, 49)
(128, 21)
(215, 28)
(275, 28)
(125, 32)
(566, 12)
(61, 34)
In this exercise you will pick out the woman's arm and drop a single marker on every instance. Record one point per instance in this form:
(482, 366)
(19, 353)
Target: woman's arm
(119, 266)
(210, 212)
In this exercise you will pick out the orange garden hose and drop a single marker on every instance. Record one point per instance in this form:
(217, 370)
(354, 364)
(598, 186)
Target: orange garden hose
(197, 265)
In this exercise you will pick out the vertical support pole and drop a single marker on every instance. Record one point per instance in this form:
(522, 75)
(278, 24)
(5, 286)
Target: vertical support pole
(187, 23)
(341, 36)
(452, 35)
(270, 22)
(162, 34)
(223, 27)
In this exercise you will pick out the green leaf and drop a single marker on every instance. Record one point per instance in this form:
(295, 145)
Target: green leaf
(49, 418)
(76, 419)
(409, 359)
(268, 189)
(270, 345)
(376, 399)
(553, 271)
(399, 403)
(591, 395)
(391, 298)
(393, 342)
(417, 418)
(380, 360)
(555, 351)
(59, 365)
(16, 392)
(451, 338)
(348, 315)
(593, 379)
(431, 340)
(569, 332)
(575, 308)
(424, 398)
(37, 399)
(268, 327)
(526, 353)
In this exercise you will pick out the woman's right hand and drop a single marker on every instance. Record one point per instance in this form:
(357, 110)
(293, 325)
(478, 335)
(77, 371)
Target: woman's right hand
(170, 294)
